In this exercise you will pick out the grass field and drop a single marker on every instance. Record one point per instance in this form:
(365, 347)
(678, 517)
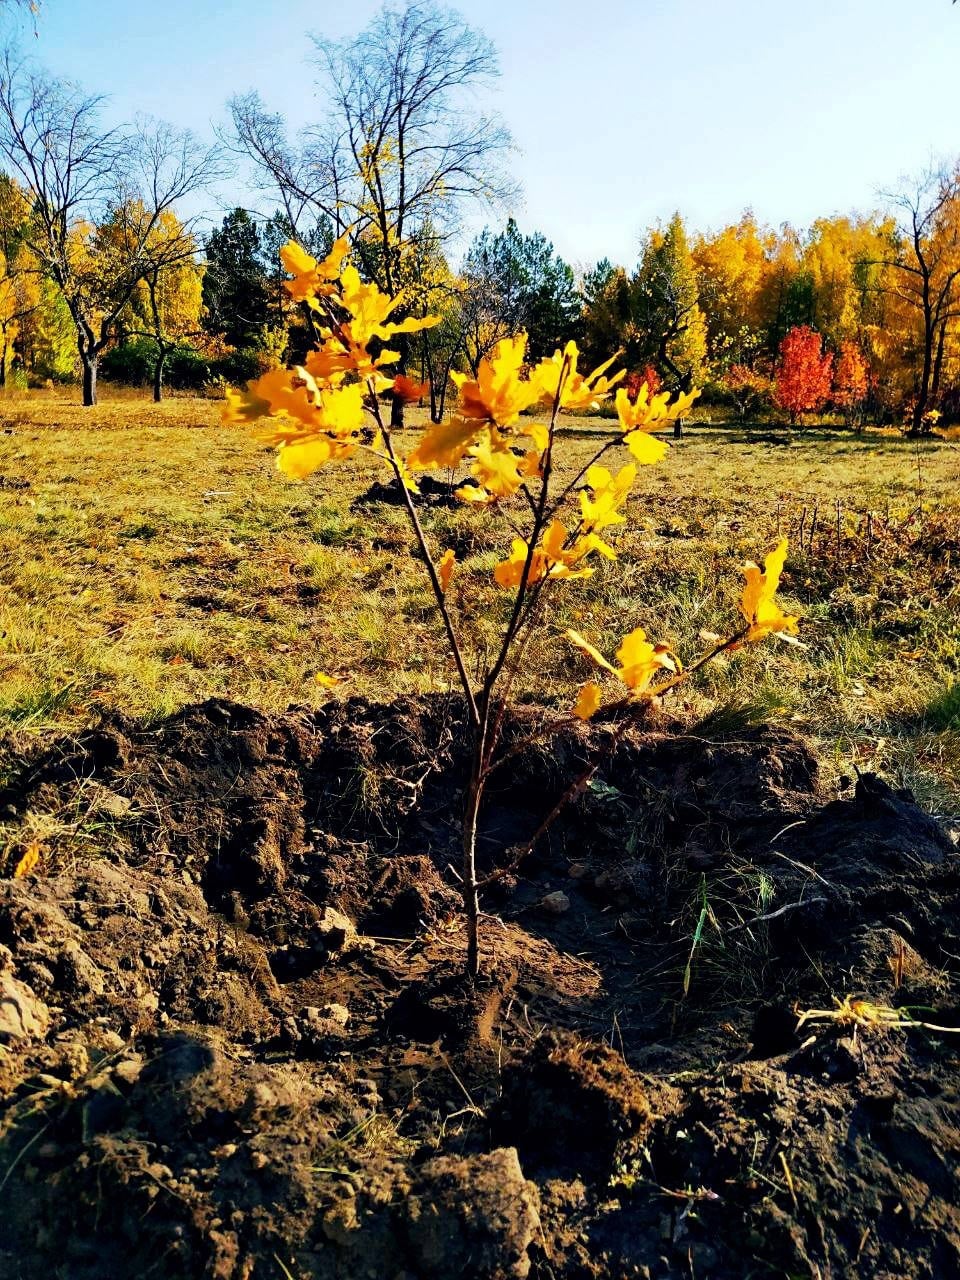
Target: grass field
(150, 557)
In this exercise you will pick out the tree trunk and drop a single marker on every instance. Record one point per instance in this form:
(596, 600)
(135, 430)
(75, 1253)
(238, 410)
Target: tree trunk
(938, 361)
(923, 395)
(929, 335)
(442, 401)
(396, 413)
(468, 884)
(427, 375)
(158, 375)
(89, 361)
(396, 402)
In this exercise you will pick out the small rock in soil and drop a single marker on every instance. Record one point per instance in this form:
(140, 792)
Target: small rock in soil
(23, 1015)
(474, 1217)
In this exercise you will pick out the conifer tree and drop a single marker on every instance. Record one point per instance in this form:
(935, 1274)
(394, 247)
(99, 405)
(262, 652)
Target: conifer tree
(667, 307)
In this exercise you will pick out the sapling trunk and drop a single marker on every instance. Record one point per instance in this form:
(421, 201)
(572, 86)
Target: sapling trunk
(469, 888)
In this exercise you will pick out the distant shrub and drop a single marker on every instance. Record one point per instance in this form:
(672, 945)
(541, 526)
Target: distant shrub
(129, 362)
(240, 366)
(132, 363)
(187, 369)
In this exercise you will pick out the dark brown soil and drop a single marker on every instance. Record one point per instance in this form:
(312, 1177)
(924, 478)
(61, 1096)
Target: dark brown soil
(235, 1040)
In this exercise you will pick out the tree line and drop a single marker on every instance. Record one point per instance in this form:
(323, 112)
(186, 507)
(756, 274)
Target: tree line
(101, 269)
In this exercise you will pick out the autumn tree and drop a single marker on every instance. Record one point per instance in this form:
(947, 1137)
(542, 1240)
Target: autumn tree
(80, 174)
(433, 289)
(839, 263)
(803, 373)
(776, 301)
(48, 338)
(403, 141)
(851, 381)
(20, 274)
(730, 267)
(923, 270)
(667, 307)
(642, 381)
(164, 309)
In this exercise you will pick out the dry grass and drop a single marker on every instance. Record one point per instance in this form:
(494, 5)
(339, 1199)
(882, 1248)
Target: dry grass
(150, 557)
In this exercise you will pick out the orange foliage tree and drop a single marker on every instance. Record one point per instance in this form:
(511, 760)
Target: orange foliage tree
(851, 381)
(647, 377)
(748, 388)
(803, 373)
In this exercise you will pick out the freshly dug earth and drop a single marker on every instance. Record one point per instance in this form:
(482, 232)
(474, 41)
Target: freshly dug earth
(235, 1040)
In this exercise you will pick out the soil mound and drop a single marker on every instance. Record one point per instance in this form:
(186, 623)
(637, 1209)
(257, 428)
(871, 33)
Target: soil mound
(235, 1040)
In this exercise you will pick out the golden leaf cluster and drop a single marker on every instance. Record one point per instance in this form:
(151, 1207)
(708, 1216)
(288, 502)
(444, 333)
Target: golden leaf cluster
(327, 408)
(317, 411)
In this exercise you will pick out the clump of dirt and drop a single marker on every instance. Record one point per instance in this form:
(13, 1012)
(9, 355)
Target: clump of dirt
(235, 1038)
(577, 1107)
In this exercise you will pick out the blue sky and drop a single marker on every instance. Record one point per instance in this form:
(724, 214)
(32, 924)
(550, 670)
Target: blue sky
(622, 112)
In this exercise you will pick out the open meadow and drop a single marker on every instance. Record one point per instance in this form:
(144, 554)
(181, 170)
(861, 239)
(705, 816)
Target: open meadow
(150, 558)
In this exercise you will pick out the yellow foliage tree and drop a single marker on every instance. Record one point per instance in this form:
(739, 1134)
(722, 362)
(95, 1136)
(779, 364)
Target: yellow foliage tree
(20, 276)
(667, 305)
(79, 174)
(166, 303)
(731, 266)
(328, 409)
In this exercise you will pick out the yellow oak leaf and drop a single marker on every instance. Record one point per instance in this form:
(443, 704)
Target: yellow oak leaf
(588, 701)
(758, 605)
(602, 507)
(645, 448)
(496, 469)
(640, 660)
(29, 860)
(557, 375)
(445, 568)
(310, 277)
(498, 393)
(443, 444)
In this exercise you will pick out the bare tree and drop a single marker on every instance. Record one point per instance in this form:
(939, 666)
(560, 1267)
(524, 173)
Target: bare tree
(403, 142)
(925, 270)
(98, 195)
